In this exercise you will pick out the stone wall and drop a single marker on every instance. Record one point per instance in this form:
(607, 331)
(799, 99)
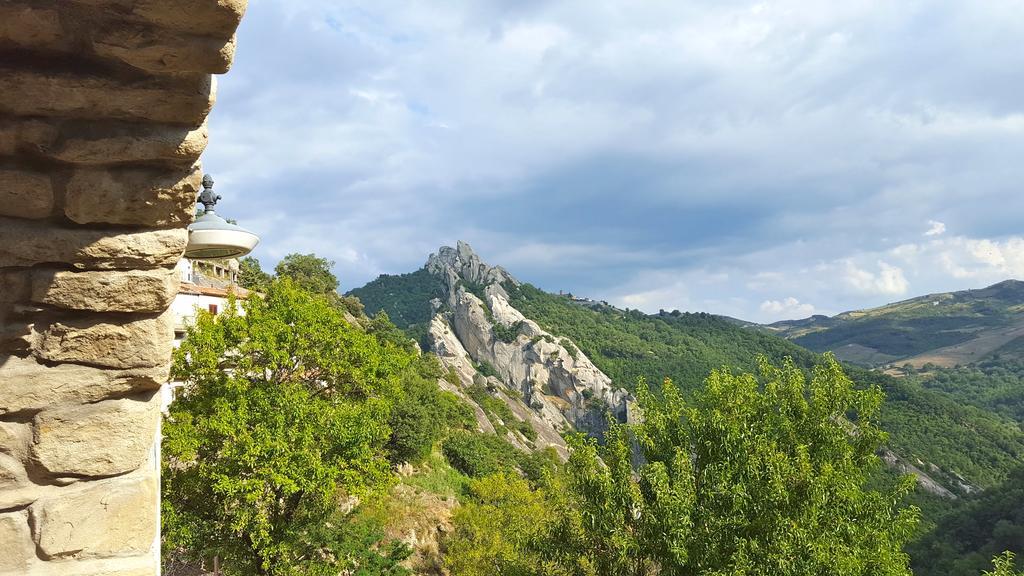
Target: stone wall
(103, 107)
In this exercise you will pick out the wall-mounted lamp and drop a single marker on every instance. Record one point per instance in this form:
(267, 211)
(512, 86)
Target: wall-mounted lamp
(212, 237)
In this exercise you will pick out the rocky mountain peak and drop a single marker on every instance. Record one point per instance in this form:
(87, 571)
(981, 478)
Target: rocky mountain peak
(463, 263)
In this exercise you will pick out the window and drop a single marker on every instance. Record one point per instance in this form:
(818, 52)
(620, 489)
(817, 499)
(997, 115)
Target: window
(213, 308)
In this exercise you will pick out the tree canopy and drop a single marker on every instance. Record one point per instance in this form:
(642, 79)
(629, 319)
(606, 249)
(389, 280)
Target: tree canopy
(285, 412)
(747, 476)
(309, 272)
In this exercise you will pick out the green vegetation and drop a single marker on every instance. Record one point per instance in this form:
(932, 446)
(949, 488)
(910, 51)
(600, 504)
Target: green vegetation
(962, 542)
(405, 297)
(251, 275)
(424, 414)
(630, 345)
(744, 477)
(499, 413)
(913, 326)
(507, 333)
(479, 455)
(285, 409)
(995, 385)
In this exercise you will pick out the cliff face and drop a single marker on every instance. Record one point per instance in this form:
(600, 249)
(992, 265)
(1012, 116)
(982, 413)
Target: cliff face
(481, 336)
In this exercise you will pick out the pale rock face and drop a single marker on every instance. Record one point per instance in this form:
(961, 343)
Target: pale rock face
(107, 291)
(100, 340)
(28, 386)
(101, 519)
(557, 386)
(102, 439)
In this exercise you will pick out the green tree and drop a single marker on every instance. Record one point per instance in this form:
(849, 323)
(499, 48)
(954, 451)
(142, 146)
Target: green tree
(746, 477)
(284, 412)
(251, 275)
(310, 272)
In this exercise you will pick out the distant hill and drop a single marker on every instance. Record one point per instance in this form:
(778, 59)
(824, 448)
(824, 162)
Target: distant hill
(944, 330)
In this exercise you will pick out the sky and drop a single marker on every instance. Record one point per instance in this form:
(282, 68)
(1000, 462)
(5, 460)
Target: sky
(764, 160)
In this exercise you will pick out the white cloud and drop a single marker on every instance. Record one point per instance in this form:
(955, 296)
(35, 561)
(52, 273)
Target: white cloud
(888, 280)
(936, 228)
(787, 308)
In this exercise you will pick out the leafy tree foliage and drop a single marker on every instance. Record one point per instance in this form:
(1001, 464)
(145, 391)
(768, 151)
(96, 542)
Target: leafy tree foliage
(425, 414)
(747, 476)
(309, 272)
(405, 297)
(251, 275)
(1003, 566)
(285, 410)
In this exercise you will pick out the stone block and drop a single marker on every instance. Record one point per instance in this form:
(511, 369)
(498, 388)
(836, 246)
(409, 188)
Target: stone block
(211, 17)
(141, 197)
(26, 136)
(108, 341)
(18, 548)
(156, 50)
(28, 243)
(15, 438)
(25, 194)
(107, 291)
(16, 489)
(115, 142)
(29, 26)
(102, 519)
(102, 439)
(181, 100)
(28, 386)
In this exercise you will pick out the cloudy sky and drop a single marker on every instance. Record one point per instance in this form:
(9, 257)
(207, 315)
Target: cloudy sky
(765, 160)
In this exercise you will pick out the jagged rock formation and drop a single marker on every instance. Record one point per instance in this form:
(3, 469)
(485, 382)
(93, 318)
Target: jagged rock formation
(558, 384)
(103, 107)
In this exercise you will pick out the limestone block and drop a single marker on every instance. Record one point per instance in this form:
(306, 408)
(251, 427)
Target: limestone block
(112, 142)
(13, 286)
(30, 136)
(106, 518)
(111, 341)
(15, 438)
(107, 291)
(102, 439)
(27, 243)
(27, 386)
(144, 197)
(29, 26)
(18, 548)
(213, 17)
(15, 487)
(156, 50)
(183, 99)
(25, 194)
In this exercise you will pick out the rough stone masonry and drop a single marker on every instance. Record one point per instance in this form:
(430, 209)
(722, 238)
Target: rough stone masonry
(103, 107)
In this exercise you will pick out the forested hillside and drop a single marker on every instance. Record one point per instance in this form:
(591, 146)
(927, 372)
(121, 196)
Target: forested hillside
(947, 329)
(962, 445)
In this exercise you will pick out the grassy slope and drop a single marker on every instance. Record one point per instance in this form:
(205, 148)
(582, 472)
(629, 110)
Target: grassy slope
(914, 326)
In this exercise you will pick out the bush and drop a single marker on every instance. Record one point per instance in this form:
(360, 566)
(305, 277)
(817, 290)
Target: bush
(478, 455)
